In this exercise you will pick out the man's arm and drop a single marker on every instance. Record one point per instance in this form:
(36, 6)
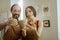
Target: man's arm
(2, 25)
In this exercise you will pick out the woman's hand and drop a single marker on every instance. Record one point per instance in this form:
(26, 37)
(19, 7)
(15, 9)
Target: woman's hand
(24, 32)
(31, 26)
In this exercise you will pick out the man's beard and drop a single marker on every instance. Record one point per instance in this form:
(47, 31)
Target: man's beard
(16, 16)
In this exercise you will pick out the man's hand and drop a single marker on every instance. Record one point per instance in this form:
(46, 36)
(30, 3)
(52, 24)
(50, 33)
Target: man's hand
(12, 22)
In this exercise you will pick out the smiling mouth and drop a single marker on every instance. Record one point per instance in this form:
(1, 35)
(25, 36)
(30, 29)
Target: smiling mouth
(15, 16)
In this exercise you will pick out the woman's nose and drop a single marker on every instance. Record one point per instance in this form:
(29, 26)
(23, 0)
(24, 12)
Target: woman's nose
(28, 13)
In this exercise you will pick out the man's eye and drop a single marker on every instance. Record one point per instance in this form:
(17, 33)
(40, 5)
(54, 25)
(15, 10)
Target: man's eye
(14, 10)
(19, 10)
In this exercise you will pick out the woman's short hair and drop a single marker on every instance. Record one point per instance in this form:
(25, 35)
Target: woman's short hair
(33, 9)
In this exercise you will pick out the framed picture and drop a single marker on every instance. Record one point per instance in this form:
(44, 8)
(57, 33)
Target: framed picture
(45, 9)
(46, 23)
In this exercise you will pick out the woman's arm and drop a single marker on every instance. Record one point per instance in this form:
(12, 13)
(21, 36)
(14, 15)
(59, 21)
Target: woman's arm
(40, 27)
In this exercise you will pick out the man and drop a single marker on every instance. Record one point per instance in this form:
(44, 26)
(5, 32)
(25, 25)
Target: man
(13, 31)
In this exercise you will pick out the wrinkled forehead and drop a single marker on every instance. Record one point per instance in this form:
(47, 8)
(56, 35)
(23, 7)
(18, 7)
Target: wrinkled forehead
(16, 7)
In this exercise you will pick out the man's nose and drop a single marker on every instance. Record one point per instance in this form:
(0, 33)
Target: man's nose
(16, 12)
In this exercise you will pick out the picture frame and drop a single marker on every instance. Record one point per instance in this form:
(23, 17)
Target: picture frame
(46, 23)
(45, 9)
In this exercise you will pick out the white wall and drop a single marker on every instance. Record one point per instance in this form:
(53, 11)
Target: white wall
(58, 9)
(48, 33)
(4, 11)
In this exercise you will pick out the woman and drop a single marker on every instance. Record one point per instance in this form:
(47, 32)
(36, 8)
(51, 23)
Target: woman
(33, 24)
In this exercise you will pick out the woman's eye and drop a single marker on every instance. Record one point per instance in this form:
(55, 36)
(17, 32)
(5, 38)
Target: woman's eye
(29, 11)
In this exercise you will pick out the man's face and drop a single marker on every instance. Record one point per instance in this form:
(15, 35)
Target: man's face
(16, 12)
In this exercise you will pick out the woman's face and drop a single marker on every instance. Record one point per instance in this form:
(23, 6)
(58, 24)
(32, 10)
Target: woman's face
(29, 12)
